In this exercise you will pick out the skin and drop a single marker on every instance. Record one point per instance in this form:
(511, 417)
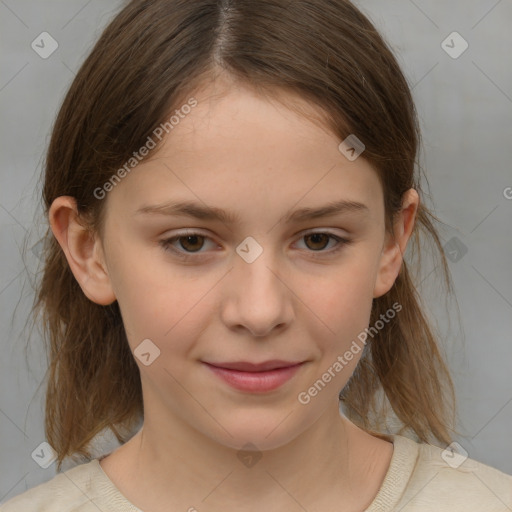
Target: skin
(254, 157)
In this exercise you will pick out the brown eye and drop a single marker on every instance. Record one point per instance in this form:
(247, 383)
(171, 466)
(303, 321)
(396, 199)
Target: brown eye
(319, 241)
(317, 244)
(191, 243)
(188, 245)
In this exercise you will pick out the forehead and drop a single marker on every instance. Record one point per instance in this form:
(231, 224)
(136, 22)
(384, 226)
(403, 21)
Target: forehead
(233, 113)
(238, 147)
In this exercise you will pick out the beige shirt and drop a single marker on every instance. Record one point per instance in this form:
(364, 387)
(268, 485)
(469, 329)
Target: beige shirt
(418, 480)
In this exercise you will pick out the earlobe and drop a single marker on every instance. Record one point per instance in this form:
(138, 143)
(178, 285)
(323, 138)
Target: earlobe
(83, 251)
(389, 267)
(392, 253)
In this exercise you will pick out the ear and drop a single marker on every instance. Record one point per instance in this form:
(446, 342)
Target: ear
(83, 250)
(393, 250)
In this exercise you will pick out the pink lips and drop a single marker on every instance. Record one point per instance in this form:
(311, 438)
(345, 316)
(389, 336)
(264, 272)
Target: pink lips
(253, 377)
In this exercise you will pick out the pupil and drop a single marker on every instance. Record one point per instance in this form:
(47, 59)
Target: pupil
(316, 237)
(192, 238)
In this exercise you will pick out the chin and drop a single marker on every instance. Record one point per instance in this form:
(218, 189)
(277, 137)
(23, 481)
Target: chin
(264, 432)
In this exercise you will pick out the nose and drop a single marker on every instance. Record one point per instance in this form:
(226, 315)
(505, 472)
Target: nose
(257, 298)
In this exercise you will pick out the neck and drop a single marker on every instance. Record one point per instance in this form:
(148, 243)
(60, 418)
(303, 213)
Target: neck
(332, 460)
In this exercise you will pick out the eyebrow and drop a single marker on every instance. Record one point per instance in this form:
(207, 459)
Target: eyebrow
(198, 211)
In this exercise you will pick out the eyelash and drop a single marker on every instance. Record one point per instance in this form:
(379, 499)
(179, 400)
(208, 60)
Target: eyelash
(167, 245)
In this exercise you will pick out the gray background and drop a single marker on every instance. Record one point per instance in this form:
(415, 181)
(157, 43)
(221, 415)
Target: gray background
(465, 107)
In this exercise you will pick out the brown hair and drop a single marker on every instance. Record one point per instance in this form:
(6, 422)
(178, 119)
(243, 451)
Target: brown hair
(150, 57)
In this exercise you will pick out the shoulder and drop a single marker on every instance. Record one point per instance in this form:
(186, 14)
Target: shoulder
(84, 488)
(67, 491)
(442, 480)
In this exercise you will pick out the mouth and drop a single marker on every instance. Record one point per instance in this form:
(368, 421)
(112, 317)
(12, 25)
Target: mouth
(255, 377)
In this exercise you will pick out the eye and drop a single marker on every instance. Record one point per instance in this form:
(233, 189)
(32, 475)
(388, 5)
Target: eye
(317, 241)
(188, 245)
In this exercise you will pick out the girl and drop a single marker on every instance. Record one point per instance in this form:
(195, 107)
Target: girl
(230, 186)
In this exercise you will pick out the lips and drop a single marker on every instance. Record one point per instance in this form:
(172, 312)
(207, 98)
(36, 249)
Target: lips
(255, 377)
(244, 366)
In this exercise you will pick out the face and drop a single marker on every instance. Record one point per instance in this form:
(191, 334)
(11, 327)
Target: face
(263, 282)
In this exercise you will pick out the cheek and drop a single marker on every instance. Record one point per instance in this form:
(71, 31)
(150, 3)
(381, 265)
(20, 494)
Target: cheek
(155, 304)
(342, 301)
(343, 305)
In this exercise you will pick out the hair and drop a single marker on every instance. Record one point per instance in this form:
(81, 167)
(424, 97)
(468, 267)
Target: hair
(152, 55)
